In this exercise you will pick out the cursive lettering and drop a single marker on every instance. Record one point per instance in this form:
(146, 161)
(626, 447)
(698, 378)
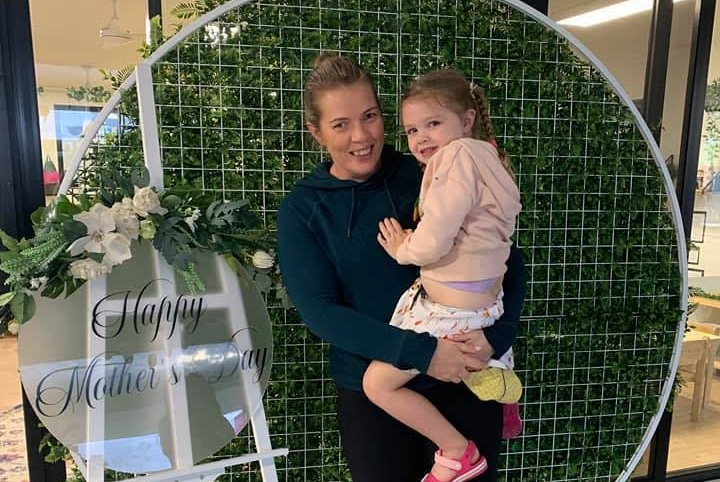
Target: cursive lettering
(147, 314)
(107, 375)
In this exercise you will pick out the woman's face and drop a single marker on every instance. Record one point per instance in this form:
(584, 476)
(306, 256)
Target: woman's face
(350, 127)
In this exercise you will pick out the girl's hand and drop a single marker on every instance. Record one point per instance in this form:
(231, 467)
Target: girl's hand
(474, 344)
(392, 235)
(450, 364)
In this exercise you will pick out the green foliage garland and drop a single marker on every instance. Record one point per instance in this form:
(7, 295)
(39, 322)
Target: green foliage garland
(78, 240)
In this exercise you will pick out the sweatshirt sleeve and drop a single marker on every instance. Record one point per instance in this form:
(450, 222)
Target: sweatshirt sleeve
(450, 196)
(502, 334)
(314, 288)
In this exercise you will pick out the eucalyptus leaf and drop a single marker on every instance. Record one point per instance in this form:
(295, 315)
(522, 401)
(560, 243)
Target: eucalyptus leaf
(22, 306)
(141, 177)
(73, 230)
(64, 209)
(262, 281)
(39, 216)
(171, 201)
(71, 285)
(54, 287)
(8, 241)
(6, 298)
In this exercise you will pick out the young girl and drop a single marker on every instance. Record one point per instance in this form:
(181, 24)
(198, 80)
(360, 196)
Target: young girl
(468, 205)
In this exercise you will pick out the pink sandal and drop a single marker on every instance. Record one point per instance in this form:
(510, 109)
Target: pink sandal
(465, 470)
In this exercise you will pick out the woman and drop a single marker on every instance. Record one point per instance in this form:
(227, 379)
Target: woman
(345, 286)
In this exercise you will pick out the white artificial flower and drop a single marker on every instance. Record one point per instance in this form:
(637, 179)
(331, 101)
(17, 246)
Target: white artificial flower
(37, 283)
(117, 249)
(126, 221)
(100, 238)
(87, 269)
(263, 260)
(192, 215)
(146, 201)
(14, 327)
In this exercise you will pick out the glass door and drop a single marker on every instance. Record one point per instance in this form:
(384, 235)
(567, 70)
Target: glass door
(695, 434)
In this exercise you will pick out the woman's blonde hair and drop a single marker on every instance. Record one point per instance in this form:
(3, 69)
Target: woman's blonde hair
(329, 72)
(450, 88)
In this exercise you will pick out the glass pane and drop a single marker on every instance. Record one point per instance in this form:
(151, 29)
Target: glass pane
(696, 414)
(696, 417)
(73, 44)
(69, 54)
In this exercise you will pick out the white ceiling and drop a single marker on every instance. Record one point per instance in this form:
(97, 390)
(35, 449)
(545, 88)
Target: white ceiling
(629, 33)
(66, 38)
(68, 48)
(622, 44)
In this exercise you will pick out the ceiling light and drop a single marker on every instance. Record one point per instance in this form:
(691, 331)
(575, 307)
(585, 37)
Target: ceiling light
(609, 13)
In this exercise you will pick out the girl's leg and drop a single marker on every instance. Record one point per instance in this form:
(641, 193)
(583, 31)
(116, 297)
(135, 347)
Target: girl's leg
(479, 421)
(384, 385)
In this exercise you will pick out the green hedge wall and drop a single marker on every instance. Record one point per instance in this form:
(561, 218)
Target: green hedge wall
(605, 284)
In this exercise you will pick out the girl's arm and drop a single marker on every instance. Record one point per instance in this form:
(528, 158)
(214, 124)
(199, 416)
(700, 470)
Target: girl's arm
(453, 192)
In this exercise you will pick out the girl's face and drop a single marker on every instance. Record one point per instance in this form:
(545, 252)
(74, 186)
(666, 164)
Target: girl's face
(350, 127)
(429, 125)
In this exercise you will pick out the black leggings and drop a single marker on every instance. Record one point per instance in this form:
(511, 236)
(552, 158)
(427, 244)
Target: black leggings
(379, 448)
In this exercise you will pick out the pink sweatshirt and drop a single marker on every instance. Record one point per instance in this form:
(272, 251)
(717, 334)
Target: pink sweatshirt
(468, 203)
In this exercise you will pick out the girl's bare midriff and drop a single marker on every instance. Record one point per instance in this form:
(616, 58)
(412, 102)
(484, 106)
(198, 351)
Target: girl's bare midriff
(443, 294)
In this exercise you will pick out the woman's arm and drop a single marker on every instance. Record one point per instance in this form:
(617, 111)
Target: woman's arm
(314, 288)
(495, 340)
(502, 334)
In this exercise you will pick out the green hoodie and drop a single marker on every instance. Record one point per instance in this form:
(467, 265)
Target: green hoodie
(343, 283)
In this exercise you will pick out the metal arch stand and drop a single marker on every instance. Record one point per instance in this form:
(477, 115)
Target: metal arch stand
(212, 470)
(94, 472)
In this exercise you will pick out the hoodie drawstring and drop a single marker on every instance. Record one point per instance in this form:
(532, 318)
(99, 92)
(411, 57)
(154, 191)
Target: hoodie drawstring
(352, 211)
(352, 206)
(392, 203)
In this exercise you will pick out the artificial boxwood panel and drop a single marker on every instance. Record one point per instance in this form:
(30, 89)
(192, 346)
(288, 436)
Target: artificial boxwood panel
(605, 287)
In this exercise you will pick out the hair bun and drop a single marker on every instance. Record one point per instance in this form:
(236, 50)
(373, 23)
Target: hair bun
(324, 57)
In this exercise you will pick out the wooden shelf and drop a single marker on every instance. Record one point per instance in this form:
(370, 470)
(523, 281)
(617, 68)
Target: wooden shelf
(705, 301)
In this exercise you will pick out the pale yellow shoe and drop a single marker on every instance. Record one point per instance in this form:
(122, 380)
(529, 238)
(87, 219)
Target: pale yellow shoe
(497, 384)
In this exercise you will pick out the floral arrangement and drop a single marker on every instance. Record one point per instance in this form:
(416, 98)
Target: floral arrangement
(86, 237)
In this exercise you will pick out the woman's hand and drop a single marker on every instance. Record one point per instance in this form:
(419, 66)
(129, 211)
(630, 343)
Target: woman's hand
(450, 364)
(474, 344)
(392, 235)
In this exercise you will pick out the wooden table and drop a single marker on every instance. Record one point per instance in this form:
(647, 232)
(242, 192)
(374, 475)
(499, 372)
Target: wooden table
(699, 349)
